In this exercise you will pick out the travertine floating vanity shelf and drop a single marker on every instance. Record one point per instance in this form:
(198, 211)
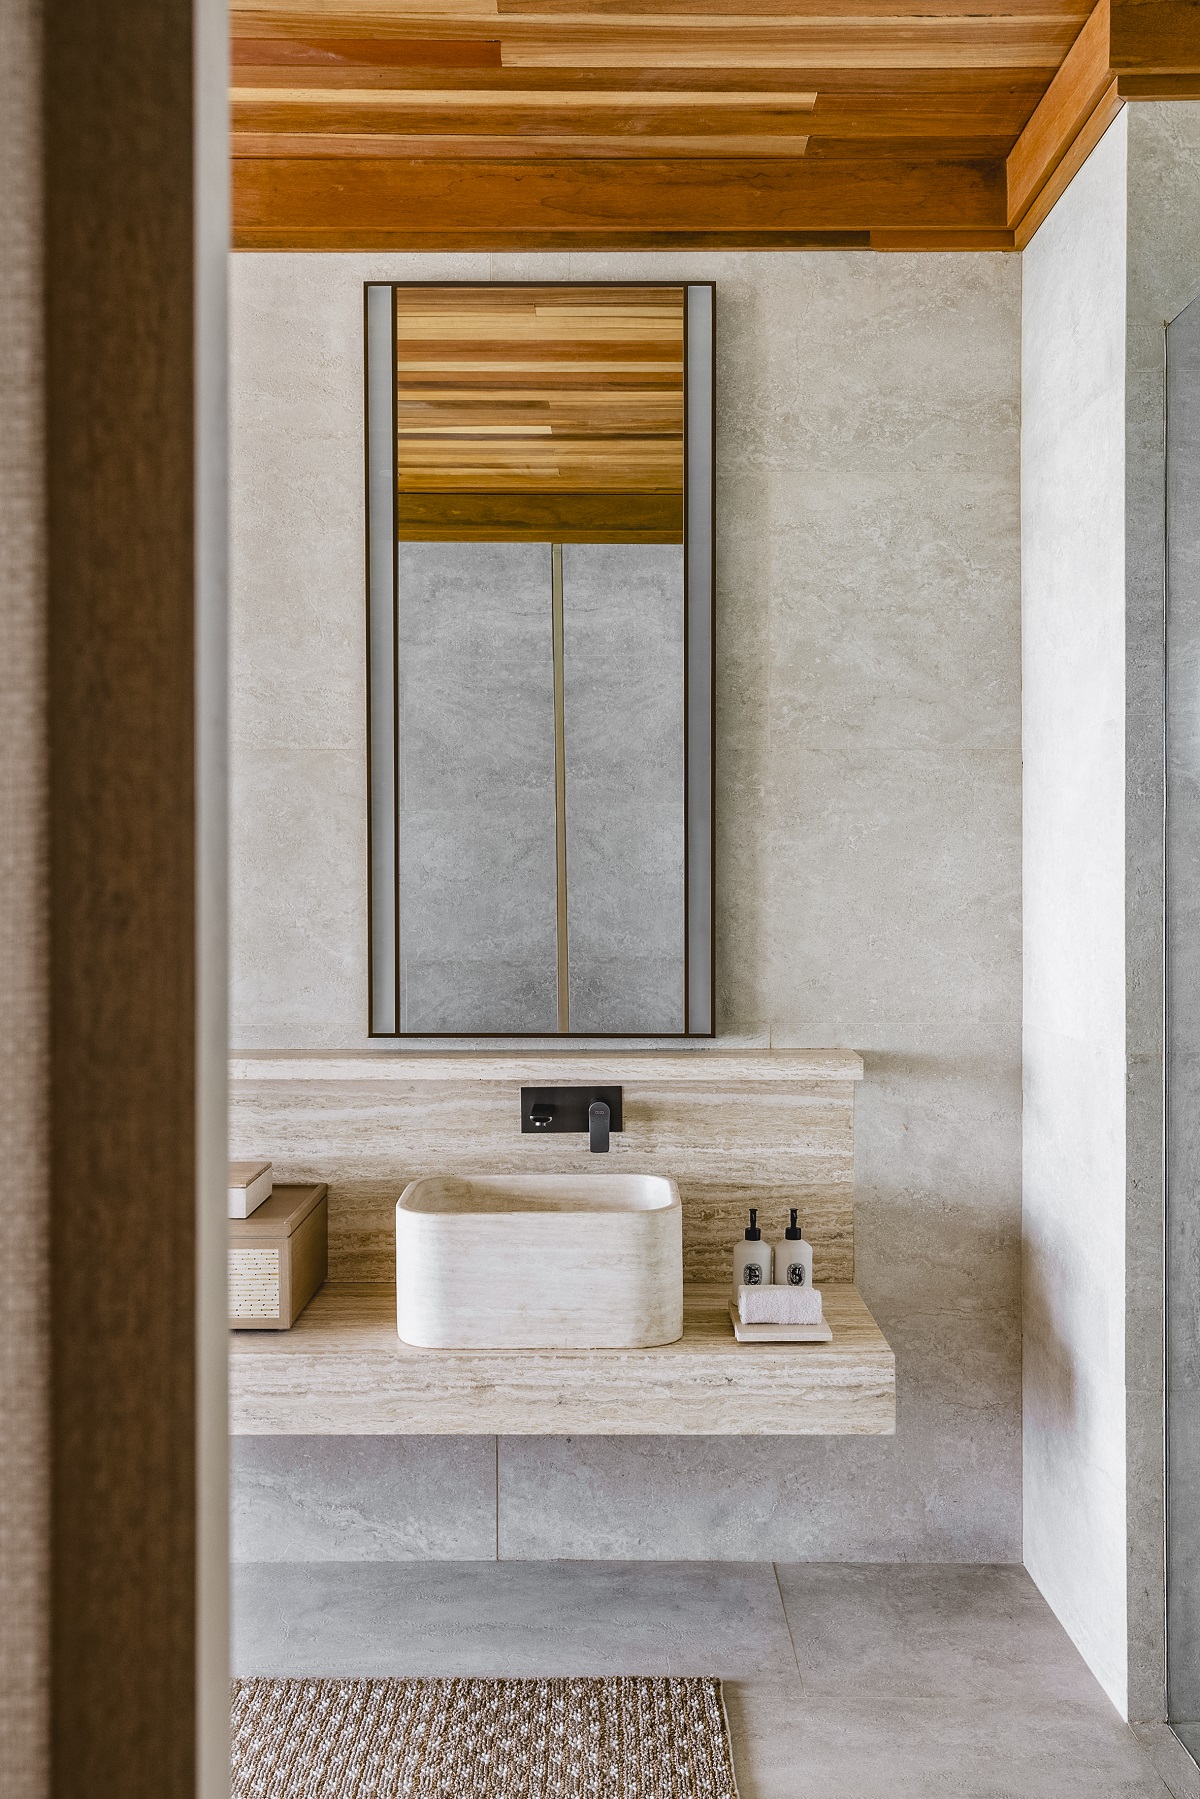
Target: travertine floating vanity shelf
(733, 1129)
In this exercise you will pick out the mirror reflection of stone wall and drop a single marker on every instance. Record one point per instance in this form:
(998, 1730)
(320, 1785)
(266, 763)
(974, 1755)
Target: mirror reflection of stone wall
(478, 916)
(479, 912)
(624, 683)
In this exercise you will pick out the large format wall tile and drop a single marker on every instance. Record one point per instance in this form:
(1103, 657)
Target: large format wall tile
(362, 1499)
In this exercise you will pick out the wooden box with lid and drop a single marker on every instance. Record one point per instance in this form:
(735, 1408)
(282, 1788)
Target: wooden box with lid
(278, 1257)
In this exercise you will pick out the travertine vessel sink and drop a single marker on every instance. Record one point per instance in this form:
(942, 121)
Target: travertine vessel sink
(589, 1261)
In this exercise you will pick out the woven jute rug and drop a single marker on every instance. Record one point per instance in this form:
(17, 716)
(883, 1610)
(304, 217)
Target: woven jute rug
(626, 1738)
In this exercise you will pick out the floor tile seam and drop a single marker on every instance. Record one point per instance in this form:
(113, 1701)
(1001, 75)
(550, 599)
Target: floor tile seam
(787, 1621)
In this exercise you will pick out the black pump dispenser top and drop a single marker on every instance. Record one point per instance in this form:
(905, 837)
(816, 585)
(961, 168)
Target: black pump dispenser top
(793, 1232)
(753, 1234)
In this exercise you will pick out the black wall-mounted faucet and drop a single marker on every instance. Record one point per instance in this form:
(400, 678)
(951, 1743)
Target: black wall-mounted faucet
(596, 1110)
(598, 1121)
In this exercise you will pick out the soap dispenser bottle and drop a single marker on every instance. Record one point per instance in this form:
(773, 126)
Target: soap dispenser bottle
(793, 1258)
(751, 1258)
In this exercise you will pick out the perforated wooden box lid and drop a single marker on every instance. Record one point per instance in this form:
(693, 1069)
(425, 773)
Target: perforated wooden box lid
(280, 1215)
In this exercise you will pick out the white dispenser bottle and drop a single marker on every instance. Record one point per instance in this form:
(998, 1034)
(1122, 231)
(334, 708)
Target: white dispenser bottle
(751, 1258)
(793, 1258)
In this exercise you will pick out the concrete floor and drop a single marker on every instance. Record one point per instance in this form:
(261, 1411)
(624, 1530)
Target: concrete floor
(842, 1682)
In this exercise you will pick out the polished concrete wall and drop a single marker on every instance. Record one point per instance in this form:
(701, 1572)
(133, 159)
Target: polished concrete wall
(868, 851)
(1073, 517)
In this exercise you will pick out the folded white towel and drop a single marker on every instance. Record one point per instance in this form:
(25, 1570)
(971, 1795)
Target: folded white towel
(779, 1305)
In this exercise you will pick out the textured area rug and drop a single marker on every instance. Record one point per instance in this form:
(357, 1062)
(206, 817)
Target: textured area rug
(626, 1738)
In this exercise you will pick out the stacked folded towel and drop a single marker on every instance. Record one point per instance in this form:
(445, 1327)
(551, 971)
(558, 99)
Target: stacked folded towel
(779, 1305)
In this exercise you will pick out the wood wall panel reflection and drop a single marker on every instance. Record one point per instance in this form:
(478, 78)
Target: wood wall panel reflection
(540, 414)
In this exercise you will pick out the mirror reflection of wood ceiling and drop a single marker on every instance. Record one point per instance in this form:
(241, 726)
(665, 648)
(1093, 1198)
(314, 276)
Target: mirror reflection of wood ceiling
(540, 414)
(524, 124)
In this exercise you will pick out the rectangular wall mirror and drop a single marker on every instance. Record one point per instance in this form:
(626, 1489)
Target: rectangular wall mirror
(540, 656)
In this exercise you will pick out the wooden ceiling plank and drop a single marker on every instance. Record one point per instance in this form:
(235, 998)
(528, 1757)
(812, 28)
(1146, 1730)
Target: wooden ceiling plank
(396, 19)
(514, 122)
(848, 44)
(480, 148)
(1068, 103)
(359, 18)
(396, 53)
(874, 119)
(764, 85)
(677, 41)
(900, 49)
(353, 22)
(933, 40)
(389, 237)
(398, 202)
(913, 151)
(543, 101)
(778, 9)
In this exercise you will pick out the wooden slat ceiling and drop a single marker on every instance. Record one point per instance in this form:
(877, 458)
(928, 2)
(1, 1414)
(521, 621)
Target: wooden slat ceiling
(540, 413)
(496, 124)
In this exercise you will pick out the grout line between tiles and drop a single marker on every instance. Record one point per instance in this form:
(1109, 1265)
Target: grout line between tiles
(786, 1619)
(496, 1441)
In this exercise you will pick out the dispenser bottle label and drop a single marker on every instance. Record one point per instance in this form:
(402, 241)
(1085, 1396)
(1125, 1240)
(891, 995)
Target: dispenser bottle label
(752, 1275)
(795, 1274)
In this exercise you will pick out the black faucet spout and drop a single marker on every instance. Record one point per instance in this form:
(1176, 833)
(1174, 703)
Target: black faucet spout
(598, 1122)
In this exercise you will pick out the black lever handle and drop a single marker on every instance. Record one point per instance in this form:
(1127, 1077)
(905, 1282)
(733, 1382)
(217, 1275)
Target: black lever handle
(598, 1121)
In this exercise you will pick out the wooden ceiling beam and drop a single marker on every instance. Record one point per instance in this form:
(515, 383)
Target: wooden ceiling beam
(1144, 49)
(1069, 102)
(1159, 87)
(907, 240)
(1155, 37)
